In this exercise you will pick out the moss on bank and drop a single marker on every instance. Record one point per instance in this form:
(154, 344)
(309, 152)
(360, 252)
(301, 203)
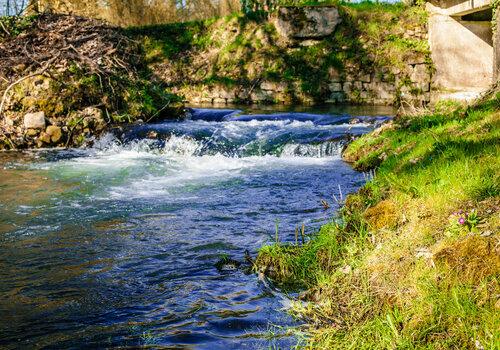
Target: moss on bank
(412, 261)
(244, 50)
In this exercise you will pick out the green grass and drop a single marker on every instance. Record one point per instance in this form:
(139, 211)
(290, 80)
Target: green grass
(243, 49)
(15, 25)
(395, 269)
(169, 40)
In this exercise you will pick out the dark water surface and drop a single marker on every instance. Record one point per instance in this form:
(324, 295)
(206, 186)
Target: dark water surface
(115, 246)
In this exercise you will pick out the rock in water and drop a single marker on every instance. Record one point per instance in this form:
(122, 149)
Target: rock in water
(308, 22)
(34, 120)
(227, 264)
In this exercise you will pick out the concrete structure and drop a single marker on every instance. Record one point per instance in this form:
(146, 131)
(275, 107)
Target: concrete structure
(462, 44)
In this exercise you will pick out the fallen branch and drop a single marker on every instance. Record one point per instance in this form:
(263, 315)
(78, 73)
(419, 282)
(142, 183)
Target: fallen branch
(5, 29)
(158, 112)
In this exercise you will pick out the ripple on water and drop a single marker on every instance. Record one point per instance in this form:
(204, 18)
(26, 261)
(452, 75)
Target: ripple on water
(115, 246)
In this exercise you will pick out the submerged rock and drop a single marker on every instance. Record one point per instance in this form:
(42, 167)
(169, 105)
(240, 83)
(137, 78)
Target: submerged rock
(152, 134)
(227, 264)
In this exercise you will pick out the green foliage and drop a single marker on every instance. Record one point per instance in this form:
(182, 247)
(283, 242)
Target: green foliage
(372, 6)
(15, 25)
(461, 223)
(303, 266)
(308, 2)
(169, 40)
(409, 44)
(244, 49)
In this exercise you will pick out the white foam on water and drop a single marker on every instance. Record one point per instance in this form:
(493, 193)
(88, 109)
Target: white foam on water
(142, 169)
(179, 146)
(206, 170)
(322, 150)
(257, 128)
(263, 128)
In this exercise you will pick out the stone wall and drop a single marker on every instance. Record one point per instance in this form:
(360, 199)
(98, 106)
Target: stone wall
(382, 87)
(354, 83)
(387, 85)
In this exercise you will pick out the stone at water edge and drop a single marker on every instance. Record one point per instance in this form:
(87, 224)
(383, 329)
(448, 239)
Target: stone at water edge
(95, 117)
(267, 85)
(152, 135)
(45, 138)
(34, 120)
(32, 132)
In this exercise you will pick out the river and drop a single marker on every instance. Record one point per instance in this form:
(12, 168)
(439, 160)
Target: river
(115, 245)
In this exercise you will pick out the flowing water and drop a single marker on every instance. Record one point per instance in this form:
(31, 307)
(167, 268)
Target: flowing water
(115, 245)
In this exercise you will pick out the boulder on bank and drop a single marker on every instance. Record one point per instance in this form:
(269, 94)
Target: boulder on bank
(54, 133)
(34, 120)
(308, 22)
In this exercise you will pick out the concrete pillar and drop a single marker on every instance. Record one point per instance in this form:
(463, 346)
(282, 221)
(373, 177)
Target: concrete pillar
(462, 51)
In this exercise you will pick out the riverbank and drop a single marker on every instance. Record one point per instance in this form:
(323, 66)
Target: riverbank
(67, 79)
(412, 260)
(366, 53)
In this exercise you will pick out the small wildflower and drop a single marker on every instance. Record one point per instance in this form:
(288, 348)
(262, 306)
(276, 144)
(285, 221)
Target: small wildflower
(461, 221)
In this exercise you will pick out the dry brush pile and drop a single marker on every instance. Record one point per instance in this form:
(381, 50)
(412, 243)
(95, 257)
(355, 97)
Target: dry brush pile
(64, 78)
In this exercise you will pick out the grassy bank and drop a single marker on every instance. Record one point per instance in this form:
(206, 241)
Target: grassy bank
(412, 261)
(243, 50)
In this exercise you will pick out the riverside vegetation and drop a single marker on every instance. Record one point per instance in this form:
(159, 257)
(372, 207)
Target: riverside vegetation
(377, 53)
(66, 79)
(411, 261)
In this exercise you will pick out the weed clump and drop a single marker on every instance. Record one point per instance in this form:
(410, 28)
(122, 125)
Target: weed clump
(472, 258)
(382, 215)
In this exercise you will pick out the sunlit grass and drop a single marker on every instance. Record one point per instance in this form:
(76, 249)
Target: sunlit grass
(397, 269)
